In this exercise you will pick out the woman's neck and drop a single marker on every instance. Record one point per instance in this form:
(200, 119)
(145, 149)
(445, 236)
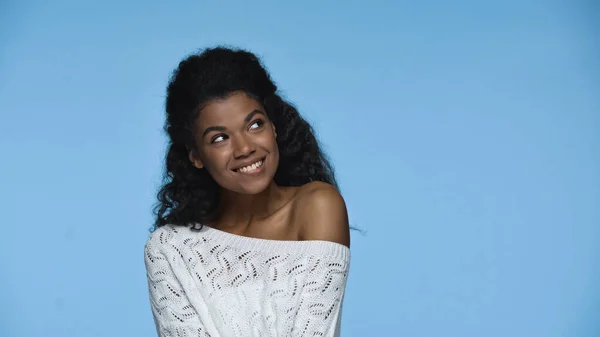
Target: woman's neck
(240, 210)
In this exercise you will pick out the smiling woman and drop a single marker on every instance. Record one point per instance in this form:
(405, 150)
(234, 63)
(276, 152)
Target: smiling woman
(251, 236)
(237, 148)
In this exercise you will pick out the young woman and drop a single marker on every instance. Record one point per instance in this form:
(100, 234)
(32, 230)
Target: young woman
(252, 235)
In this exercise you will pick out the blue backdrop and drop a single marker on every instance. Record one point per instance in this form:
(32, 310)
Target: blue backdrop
(466, 138)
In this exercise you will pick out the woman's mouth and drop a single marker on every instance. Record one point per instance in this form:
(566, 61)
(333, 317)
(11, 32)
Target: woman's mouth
(254, 168)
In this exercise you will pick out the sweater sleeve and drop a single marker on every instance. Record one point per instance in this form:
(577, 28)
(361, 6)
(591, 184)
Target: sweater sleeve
(172, 311)
(320, 305)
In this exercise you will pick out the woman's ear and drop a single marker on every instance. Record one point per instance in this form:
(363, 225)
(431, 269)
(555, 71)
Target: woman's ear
(195, 159)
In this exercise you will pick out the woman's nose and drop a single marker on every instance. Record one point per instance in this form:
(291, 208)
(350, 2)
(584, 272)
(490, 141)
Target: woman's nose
(242, 147)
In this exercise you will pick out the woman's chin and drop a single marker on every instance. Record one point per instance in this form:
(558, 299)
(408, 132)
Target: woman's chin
(254, 188)
(248, 187)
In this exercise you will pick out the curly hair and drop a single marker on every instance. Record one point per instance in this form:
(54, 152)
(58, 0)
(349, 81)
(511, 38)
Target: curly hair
(189, 195)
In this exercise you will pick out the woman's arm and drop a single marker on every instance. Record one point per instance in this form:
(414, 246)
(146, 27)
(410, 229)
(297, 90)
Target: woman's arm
(173, 313)
(322, 215)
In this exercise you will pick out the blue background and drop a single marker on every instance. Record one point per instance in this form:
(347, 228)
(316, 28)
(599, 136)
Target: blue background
(466, 139)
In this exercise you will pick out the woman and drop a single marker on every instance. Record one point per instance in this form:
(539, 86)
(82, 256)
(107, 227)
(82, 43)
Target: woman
(252, 235)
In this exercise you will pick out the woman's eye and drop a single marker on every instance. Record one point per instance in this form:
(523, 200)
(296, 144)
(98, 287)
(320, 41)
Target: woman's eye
(258, 124)
(218, 139)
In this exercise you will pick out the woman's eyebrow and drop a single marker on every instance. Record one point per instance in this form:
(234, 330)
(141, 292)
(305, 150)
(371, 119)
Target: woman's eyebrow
(222, 128)
(254, 112)
(213, 128)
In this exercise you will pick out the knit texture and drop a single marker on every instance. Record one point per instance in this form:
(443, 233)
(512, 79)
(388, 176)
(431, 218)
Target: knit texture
(213, 283)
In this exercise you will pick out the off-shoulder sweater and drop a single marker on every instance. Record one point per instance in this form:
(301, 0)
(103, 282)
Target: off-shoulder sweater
(208, 282)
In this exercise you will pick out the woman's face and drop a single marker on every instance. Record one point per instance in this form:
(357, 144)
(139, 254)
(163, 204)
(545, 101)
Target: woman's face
(235, 143)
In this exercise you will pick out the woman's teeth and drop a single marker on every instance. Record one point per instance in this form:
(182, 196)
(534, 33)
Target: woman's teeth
(250, 168)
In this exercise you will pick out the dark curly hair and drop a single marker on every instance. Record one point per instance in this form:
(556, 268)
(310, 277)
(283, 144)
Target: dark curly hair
(190, 195)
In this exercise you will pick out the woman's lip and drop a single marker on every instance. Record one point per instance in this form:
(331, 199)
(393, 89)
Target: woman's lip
(260, 169)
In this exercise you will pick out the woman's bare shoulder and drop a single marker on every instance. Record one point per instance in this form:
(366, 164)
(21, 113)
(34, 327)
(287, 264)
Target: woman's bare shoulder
(320, 213)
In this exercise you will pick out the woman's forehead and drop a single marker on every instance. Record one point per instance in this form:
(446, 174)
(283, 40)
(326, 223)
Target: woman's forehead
(231, 109)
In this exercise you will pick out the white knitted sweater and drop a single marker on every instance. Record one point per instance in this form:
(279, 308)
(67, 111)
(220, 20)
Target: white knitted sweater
(213, 283)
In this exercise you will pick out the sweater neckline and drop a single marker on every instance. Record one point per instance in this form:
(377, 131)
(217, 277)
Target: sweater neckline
(329, 248)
